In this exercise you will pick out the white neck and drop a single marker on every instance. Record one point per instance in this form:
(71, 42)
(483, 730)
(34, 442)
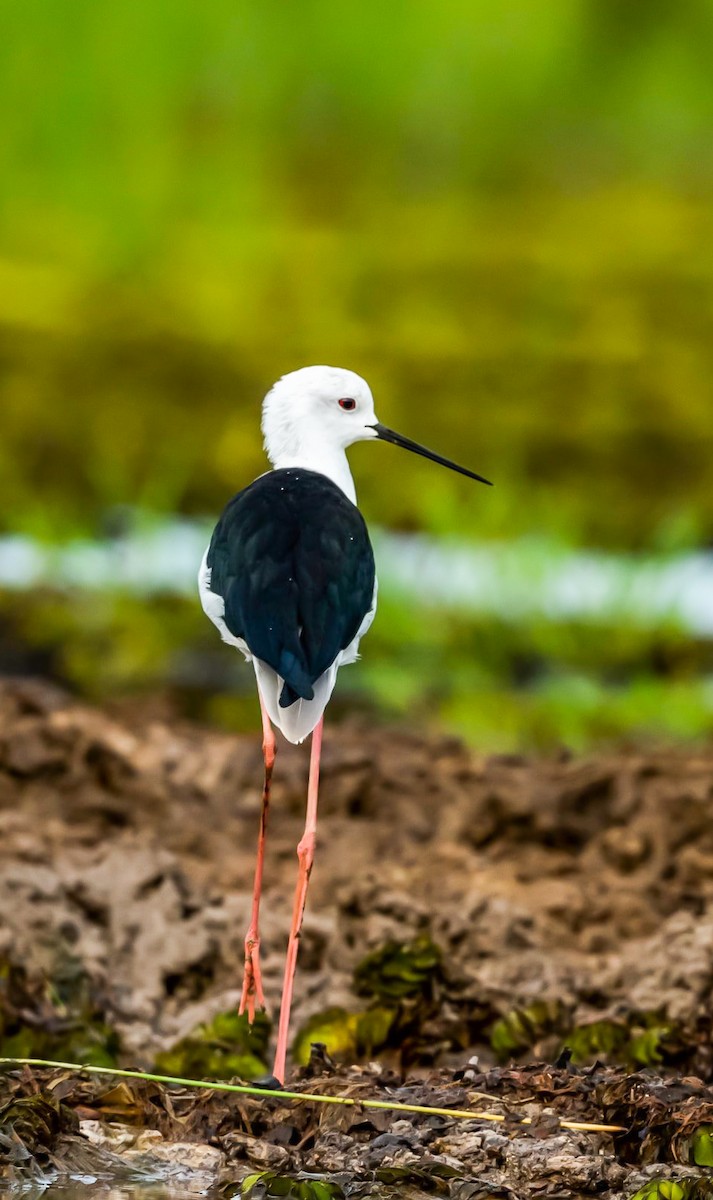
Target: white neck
(326, 460)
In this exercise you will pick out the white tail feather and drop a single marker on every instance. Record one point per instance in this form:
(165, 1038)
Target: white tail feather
(297, 721)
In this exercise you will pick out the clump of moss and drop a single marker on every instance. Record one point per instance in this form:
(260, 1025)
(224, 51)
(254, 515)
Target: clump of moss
(224, 1048)
(335, 1028)
(648, 1046)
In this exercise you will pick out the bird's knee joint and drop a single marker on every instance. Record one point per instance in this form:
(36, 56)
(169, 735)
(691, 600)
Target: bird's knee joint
(305, 851)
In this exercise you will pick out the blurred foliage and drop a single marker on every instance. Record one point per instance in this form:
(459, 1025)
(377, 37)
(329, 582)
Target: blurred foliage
(536, 682)
(500, 216)
(637, 1039)
(225, 1048)
(561, 346)
(334, 1028)
(61, 1018)
(348, 1036)
(642, 1040)
(521, 1028)
(400, 978)
(399, 971)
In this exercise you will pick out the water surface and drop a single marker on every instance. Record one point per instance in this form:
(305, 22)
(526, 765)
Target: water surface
(515, 580)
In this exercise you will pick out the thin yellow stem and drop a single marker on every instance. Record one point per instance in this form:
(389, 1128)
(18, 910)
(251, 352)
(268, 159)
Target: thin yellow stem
(245, 1089)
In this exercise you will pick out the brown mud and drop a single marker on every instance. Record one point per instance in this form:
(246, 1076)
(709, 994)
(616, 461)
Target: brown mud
(567, 906)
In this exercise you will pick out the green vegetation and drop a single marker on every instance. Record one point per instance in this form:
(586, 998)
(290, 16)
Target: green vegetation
(348, 1036)
(521, 1028)
(400, 971)
(501, 217)
(702, 1146)
(535, 682)
(400, 979)
(637, 1039)
(640, 1040)
(71, 1025)
(502, 220)
(684, 1188)
(265, 1184)
(572, 369)
(225, 1048)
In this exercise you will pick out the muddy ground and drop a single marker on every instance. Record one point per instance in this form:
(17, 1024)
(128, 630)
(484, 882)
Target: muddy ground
(540, 933)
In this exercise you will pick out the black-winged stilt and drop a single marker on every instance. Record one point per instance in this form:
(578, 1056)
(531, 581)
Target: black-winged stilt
(288, 578)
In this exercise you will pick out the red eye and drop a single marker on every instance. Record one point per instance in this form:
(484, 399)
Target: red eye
(348, 405)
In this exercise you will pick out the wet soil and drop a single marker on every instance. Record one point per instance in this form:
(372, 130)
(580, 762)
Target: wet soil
(571, 901)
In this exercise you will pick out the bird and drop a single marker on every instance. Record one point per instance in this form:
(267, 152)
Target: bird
(289, 579)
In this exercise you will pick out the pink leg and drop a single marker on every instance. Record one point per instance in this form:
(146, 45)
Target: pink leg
(305, 854)
(252, 980)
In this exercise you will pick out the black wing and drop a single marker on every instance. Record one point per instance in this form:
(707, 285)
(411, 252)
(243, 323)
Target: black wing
(292, 559)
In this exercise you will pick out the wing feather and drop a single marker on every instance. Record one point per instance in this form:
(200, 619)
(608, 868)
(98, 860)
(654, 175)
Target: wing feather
(292, 560)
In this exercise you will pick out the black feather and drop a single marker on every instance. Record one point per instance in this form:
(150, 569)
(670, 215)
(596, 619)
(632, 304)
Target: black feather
(292, 559)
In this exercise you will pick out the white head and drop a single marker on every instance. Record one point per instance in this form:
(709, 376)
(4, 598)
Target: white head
(310, 417)
(316, 407)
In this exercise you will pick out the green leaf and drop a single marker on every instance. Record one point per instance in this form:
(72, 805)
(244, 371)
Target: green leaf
(326, 1191)
(661, 1189)
(272, 1184)
(702, 1146)
(249, 1181)
(691, 1188)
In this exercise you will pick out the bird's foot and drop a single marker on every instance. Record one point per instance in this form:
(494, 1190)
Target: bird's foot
(252, 979)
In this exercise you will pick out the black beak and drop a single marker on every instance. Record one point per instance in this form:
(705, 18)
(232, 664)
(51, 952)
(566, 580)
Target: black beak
(388, 435)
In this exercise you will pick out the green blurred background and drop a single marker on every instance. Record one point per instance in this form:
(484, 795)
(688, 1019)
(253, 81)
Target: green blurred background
(499, 214)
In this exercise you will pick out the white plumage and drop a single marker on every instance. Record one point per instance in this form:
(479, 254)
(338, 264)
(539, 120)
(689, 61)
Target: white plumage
(303, 426)
(289, 580)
